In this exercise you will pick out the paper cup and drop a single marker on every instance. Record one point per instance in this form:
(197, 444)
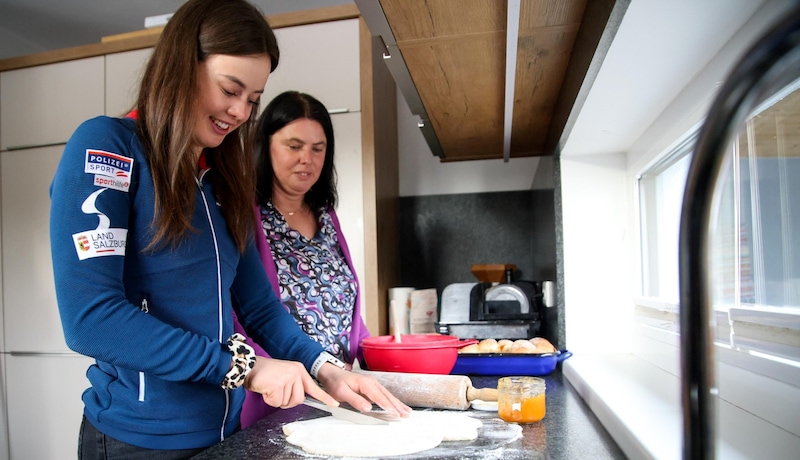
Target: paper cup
(398, 317)
(399, 306)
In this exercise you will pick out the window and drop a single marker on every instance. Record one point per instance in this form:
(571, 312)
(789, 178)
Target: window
(755, 236)
(660, 201)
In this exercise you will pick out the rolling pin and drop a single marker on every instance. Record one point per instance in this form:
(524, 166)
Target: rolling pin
(432, 390)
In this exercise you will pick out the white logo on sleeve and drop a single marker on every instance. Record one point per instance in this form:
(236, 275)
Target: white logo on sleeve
(102, 241)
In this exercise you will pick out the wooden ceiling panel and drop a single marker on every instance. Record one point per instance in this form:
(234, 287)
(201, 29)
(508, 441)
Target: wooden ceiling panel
(534, 14)
(465, 88)
(542, 58)
(455, 54)
(426, 19)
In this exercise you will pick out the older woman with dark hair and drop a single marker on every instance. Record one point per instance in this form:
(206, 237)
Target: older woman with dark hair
(302, 246)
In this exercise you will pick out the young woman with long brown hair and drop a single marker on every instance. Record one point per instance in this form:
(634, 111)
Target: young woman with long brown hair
(151, 237)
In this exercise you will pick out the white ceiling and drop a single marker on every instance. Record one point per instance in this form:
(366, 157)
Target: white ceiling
(660, 46)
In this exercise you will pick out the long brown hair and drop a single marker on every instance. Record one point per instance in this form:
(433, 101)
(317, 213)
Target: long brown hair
(166, 110)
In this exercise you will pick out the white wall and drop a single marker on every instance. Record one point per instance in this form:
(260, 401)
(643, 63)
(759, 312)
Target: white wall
(626, 389)
(659, 48)
(421, 173)
(689, 106)
(594, 203)
(599, 222)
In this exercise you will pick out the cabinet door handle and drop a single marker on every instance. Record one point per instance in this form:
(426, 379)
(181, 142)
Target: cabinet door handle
(335, 111)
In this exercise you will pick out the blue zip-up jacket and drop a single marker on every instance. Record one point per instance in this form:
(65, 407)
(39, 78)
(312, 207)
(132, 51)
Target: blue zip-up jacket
(155, 322)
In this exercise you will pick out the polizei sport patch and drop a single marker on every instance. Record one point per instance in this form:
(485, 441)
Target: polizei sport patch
(110, 170)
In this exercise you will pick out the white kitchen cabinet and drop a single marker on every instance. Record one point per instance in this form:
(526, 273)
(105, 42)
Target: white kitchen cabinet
(44, 404)
(3, 410)
(43, 379)
(321, 60)
(350, 209)
(29, 301)
(40, 107)
(43, 105)
(123, 74)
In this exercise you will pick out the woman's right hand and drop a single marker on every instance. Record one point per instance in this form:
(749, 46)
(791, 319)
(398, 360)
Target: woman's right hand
(284, 384)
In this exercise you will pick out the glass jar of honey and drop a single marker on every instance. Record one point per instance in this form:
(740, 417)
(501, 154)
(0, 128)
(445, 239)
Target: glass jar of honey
(521, 399)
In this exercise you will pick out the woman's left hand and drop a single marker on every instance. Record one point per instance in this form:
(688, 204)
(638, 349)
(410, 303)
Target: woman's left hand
(359, 390)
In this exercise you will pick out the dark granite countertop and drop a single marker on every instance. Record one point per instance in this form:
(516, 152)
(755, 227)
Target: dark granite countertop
(569, 431)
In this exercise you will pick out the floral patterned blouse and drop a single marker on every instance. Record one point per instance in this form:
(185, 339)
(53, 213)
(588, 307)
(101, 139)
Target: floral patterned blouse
(316, 284)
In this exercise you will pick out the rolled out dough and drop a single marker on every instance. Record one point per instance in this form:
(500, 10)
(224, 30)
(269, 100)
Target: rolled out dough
(422, 430)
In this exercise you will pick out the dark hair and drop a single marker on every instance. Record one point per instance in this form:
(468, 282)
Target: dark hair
(284, 109)
(166, 110)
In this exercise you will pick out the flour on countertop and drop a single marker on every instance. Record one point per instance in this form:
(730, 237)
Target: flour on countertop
(495, 441)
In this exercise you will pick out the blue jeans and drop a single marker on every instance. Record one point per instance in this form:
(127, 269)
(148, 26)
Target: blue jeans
(94, 445)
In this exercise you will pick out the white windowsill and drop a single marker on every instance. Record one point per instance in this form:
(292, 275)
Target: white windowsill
(639, 404)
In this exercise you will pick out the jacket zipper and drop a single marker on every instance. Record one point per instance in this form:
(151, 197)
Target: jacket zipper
(219, 291)
(144, 307)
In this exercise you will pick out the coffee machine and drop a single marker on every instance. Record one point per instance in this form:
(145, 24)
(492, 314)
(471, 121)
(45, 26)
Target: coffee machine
(494, 307)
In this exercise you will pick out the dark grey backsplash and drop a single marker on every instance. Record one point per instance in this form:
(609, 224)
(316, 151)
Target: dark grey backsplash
(442, 236)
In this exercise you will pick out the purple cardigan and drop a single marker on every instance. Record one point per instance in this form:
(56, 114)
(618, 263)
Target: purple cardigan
(254, 407)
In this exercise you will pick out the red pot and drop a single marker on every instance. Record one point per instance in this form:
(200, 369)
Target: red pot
(416, 353)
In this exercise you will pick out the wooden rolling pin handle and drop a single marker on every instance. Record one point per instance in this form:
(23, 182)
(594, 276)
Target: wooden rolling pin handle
(484, 394)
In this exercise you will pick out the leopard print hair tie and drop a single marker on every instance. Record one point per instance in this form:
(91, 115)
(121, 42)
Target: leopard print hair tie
(244, 359)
